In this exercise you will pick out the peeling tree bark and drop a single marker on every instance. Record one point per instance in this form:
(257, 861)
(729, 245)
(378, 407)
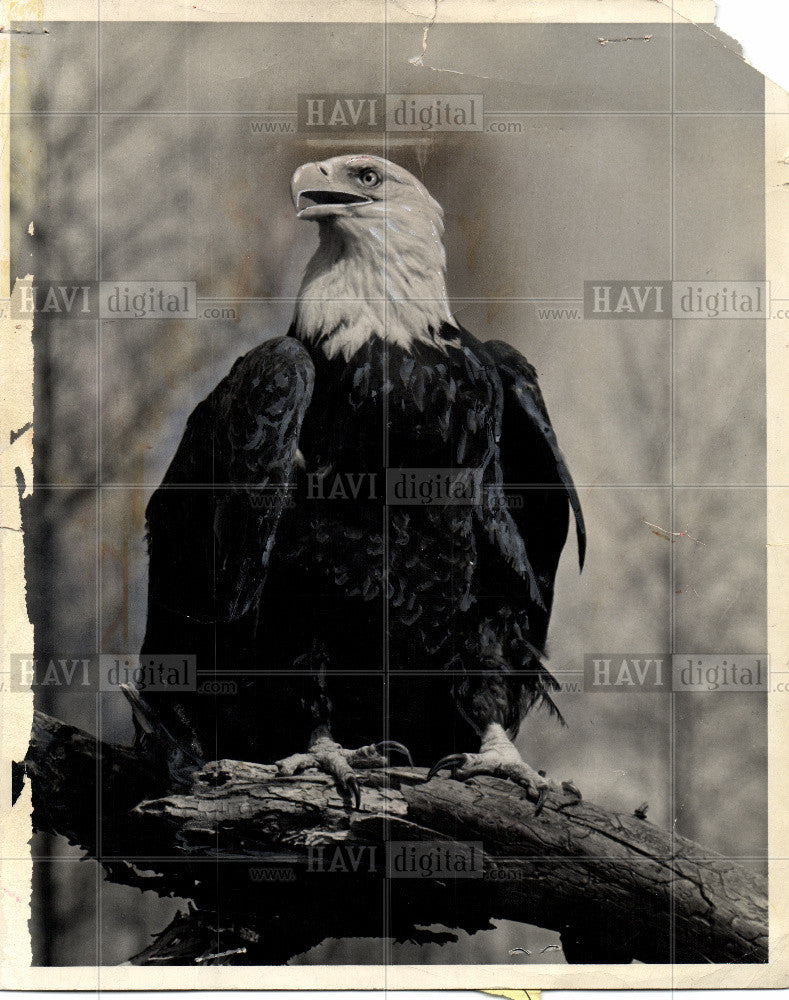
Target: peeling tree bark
(616, 887)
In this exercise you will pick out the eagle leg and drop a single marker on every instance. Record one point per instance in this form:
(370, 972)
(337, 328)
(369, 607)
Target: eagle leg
(331, 758)
(499, 758)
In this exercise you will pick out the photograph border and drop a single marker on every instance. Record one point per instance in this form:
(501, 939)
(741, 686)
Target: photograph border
(16, 632)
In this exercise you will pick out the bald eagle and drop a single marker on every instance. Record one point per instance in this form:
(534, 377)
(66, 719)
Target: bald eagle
(282, 557)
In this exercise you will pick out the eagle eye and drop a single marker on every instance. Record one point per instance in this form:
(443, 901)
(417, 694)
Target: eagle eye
(369, 177)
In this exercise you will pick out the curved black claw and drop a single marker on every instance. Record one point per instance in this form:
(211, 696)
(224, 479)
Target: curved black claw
(352, 785)
(543, 795)
(452, 761)
(389, 745)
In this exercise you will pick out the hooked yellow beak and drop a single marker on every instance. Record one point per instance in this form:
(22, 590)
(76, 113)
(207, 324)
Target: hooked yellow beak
(316, 195)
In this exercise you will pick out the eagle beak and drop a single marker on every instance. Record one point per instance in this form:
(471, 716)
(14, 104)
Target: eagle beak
(316, 195)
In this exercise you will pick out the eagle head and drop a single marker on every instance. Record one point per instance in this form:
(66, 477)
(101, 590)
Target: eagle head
(358, 190)
(380, 264)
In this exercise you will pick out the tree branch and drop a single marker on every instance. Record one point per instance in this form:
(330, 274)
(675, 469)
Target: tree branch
(300, 864)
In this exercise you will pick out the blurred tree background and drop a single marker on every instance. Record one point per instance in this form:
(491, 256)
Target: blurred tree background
(134, 156)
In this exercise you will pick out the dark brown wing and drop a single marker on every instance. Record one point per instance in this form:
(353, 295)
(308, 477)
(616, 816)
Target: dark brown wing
(213, 521)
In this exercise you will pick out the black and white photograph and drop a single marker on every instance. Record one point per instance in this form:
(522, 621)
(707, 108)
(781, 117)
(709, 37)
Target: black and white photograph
(389, 525)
